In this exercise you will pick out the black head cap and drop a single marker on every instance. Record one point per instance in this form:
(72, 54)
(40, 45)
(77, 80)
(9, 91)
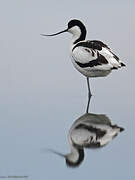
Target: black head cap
(75, 22)
(78, 162)
(78, 23)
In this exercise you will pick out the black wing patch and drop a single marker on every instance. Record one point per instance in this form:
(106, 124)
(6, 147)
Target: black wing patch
(99, 61)
(99, 133)
(95, 45)
(99, 43)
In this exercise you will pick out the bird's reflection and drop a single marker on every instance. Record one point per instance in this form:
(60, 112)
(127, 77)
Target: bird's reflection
(88, 131)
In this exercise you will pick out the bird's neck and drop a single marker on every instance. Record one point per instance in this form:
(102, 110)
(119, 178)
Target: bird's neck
(77, 38)
(76, 156)
(79, 34)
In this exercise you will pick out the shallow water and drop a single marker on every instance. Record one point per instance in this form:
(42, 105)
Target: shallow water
(41, 94)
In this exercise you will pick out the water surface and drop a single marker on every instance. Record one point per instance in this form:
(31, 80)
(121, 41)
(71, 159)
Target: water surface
(41, 94)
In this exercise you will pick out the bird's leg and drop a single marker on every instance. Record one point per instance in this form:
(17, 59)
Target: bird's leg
(89, 95)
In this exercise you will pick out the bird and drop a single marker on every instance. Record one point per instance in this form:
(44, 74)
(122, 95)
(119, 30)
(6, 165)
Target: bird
(92, 58)
(88, 131)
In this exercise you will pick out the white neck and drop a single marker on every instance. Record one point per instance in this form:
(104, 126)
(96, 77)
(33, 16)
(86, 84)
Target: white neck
(76, 32)
(74, 155)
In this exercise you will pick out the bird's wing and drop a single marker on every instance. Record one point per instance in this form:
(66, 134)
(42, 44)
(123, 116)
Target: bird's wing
(87, 135)
(98, 119)
(98, 131)
(94, 53)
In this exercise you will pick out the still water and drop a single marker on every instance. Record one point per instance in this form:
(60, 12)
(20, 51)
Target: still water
(91, 131)
(43, 99)
(24, 140)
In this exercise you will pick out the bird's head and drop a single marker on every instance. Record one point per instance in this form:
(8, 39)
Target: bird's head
(72, 159)
(75, 27)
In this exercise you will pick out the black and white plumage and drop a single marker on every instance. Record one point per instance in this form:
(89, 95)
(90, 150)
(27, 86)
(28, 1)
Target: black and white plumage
(91, 58)
(94, 59)
(88, 131)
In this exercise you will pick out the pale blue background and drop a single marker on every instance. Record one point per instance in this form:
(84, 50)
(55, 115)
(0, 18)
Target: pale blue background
(41, 94)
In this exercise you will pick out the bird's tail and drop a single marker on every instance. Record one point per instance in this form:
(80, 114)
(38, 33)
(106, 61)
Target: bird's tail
(122, 64)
